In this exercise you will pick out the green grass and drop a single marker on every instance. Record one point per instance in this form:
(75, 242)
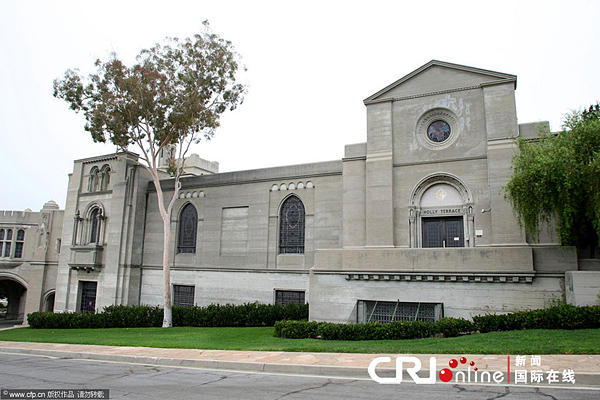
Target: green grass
(585, 341)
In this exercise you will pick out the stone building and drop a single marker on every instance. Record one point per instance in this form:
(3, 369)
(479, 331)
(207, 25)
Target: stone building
(29, 246)
(411, 224)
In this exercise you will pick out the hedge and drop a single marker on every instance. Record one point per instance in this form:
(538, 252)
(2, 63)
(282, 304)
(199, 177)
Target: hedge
(249, 314)
(448, 327)
(557, 317)
(563, 316)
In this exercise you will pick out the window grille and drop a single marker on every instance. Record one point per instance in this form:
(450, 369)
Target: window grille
(188, 225)
(183, 295)
(291, 226)
(88, 296)
(283, 297)
(390, 311)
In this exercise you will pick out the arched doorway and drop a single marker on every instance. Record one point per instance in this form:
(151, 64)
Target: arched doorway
(441, 213)
(15, 291)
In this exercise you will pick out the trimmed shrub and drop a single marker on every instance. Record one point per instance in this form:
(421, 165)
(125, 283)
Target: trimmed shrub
(214, 315)
(564, 316)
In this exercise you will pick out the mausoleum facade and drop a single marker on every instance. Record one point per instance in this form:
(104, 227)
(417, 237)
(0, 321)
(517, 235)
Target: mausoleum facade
(411, 224)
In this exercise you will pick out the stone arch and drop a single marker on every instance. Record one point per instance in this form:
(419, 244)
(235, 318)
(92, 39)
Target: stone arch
(49, 299)
(93, 224)
(441, 195)
(15, 288)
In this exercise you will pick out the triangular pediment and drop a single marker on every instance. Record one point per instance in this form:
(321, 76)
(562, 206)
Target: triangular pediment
(439, 76)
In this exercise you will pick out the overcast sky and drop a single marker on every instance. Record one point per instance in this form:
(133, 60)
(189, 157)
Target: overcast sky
(310, 65)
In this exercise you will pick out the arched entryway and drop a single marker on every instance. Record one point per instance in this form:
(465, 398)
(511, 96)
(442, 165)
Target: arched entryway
(441, 213)
(15, 291)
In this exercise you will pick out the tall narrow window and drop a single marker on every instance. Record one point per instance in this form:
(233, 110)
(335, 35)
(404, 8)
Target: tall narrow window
(93, 180)
(188, 224)
(291, 226)
(94, 223)
(1, 241)
(19, 243)
(104, 177)
(9, 234)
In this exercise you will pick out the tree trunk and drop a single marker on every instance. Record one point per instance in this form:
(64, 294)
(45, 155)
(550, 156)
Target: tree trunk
(166, 217)
(168, 311)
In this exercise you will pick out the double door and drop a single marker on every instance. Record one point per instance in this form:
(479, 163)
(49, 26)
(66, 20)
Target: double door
(443, 232)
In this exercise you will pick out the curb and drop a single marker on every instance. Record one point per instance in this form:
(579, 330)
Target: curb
(587, 380)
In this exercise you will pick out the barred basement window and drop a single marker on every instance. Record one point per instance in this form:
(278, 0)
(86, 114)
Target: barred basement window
(390, 311)
(283, 297)
(183, 295)
(188, 224)
(291, 226)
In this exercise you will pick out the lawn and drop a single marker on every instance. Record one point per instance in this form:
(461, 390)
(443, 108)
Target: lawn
(585, 341)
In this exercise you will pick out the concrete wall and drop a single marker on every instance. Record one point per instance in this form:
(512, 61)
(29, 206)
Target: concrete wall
(583, 288)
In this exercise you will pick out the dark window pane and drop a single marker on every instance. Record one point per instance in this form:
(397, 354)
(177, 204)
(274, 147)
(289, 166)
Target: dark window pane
(291, 228)
(88, 296)
(183, 295)
(21, 235)
(18, 249)
(283, 297)
(188, 226)
(95, 225)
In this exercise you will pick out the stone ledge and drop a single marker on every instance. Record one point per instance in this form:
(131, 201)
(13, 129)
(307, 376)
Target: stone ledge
(451, 278)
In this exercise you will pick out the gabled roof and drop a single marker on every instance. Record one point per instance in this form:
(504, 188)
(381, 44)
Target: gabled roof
(481, 77)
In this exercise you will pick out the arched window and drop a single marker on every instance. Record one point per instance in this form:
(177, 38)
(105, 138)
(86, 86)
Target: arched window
(291, 226)
(104, 177)
(94, 223)
(188, 225)
(93, 180)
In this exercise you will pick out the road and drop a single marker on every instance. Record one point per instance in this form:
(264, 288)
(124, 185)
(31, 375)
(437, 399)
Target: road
(135, 381)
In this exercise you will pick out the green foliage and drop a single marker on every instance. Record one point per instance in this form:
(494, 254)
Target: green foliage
(174, 90)
(557, 178)
(249, 314)
(448, 327)
(563, 316)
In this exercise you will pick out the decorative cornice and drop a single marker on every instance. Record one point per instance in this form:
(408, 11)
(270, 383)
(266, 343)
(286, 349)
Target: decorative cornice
(440, 277)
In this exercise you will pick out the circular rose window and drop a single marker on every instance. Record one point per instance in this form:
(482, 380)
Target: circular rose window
(438, 131)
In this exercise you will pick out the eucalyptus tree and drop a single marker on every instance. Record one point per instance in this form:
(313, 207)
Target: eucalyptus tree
(170, 98)
(557, 178)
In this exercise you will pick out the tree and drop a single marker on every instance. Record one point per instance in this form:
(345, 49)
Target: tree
(172, 96)
(557, 178)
